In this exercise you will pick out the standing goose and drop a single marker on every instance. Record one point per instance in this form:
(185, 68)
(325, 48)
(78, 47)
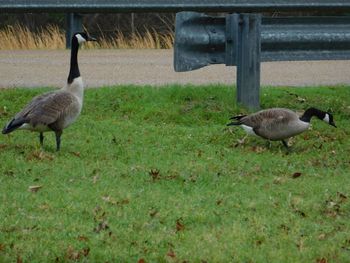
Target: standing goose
(278, 124)
(54, 111)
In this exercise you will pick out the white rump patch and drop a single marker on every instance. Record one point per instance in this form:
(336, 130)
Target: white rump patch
(249, 130)
(80, 38)
(326, 118)
(37, 128)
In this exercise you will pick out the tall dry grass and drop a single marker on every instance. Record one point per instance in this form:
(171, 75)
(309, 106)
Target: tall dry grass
(51, 37)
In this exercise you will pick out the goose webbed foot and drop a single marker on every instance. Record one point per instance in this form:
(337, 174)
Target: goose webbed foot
(288, 148)
(58, 140)
(268, 144)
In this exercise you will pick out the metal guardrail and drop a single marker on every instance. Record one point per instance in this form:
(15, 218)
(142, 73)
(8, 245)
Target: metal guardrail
(239, 39)
(111, 6)
(202, 40)
(245, 40)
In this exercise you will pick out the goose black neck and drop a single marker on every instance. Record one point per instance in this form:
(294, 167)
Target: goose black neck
(74, 68)
(309, 113)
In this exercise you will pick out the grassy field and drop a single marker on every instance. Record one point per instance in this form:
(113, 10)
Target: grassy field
(153, 175)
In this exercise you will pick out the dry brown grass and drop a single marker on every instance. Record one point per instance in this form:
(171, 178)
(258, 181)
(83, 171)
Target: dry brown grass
(51, 37)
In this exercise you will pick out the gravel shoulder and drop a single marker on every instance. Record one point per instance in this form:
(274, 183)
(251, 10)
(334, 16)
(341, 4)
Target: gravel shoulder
(37, 68)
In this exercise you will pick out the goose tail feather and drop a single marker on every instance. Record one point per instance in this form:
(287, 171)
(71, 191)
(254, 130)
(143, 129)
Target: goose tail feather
(238, 117)
(237, 120)
(13, 125)
(234, 123)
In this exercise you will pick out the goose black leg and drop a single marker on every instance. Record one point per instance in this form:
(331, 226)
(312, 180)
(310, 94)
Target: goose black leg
(58, 140)
(41, 138)
(285, 144)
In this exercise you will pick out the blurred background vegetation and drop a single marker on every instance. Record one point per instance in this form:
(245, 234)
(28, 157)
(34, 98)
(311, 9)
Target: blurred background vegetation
(116, 30)
(133, 30)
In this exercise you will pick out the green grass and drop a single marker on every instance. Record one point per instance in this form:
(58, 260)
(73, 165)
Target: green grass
(153, 175)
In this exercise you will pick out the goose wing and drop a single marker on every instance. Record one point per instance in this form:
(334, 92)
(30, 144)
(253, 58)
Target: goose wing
(47, 108)
(273, 124)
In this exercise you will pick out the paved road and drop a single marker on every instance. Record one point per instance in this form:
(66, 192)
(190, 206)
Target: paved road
(154, 67)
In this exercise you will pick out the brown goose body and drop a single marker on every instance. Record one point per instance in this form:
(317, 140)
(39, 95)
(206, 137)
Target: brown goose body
(279, 123)
(275, 124)
(54, 111)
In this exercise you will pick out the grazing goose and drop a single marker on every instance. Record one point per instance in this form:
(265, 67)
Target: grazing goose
(54, 111)
(278, 124)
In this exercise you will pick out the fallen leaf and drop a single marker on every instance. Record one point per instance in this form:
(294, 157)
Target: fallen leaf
(85, 251)
(35, 188)
(296, 175)
(109, 199)
(321, 260)
(141, 260)
(300, 244)
(322, 236)
(72, 254)
(332, 208)
(179, 225)
(279, 180)
(153, 213)
(39, 155)
(77, 154)
(219, 202)
(2, 247)
(171, 254)
(101, 226)
(112, 201)
(97, 210)
(3, 146)
(306, 137)
(342, 197)
(300, 213)
(19, 259)
(155, 174)
(285, 228)
(258, 149)
(123, 202)
(82, 238)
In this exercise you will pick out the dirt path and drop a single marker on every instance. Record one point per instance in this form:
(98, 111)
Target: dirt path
(151, 67)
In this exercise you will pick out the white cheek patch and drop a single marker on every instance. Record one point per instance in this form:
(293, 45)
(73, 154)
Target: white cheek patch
(326, 118)
(248, 130)
(80, 38)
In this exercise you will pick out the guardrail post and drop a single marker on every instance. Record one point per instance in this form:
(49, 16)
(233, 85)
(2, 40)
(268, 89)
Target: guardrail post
(248, 49)
(74, 24)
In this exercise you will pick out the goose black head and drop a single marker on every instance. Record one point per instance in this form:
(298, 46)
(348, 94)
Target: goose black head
(83, 37)
(328, 118)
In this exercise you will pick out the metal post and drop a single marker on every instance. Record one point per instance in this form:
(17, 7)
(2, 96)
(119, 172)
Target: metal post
(248, 49)
(74, 24)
